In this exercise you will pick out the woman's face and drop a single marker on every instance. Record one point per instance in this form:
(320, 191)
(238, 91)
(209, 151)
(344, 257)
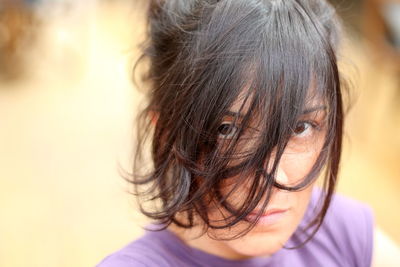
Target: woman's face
(285, 209)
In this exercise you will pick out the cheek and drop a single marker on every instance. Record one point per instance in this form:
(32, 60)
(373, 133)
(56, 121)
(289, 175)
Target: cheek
(297, 165)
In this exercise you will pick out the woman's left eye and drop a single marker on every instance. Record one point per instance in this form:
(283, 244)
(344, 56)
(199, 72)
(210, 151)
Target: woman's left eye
(227, 130)
(303, 128)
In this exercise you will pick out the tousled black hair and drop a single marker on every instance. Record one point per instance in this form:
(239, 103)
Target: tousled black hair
(201, 56)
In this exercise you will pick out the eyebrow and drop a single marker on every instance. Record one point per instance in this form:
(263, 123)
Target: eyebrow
(234, 114)
(313, 109)
(305, 112)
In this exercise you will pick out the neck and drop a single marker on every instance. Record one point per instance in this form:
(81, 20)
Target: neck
(195, 238)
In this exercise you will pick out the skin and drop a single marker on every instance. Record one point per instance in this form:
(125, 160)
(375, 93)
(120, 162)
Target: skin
(297, 161)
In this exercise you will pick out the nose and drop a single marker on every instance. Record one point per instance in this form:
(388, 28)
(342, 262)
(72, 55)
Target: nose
(281, 177)
(280, 198)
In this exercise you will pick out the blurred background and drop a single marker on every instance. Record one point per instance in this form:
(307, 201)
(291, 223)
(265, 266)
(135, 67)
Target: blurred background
(67, 107)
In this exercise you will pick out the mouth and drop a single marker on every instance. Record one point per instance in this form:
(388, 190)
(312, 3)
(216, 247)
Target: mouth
(269, 217)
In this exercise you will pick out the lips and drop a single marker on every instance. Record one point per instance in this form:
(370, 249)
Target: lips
(269, 217)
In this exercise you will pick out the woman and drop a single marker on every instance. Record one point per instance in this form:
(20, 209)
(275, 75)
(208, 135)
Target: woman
(244, 114)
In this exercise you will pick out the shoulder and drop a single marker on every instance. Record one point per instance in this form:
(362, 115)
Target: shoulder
(121, 260)
(147, 251)
(347, 231)
(353, 220)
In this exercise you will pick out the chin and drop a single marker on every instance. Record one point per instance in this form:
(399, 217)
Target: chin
(258, 245)
(259, 252)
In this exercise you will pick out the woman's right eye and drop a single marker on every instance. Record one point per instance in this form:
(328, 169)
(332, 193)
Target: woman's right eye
(227, 130)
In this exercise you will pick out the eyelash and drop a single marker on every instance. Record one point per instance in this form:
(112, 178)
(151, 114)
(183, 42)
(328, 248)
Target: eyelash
(230, 126)
(312, 125)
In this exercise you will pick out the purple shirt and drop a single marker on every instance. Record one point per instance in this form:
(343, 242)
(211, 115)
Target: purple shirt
(345, 239)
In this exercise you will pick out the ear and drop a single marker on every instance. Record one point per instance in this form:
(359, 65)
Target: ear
(153, 116)
(155, 7)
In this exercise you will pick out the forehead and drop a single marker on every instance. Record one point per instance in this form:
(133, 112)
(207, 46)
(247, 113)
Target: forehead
(243, 101)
